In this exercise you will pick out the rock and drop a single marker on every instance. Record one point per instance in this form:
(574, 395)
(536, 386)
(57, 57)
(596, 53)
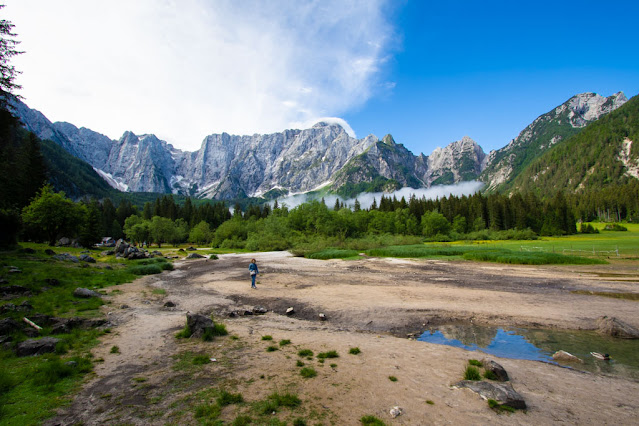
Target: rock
(52, 281)
(4, 339)
(157, 253)
(247, 312)
(7, 307)
(290, 311)
(14, 270)
(497, 369)
(233, 314)
(169, 304)
(25, 306)
(260, 310)
(181, 249)
(3, 281)
(125, 306)
(85, 293)
(135, 255)
(66, 257)
(64, 242)
(28, 250)
(322, 316)
(120, 246)
(198, 324)
(49, 252)
(8, 326)
(396, 411)
(37, 346)
(191, 248)
(611, 326)
(87, 258)
(503, 393)
(15, 290)
(108, 267)
(65, 325)
(108, 253)
(566, 357)
(195, 256)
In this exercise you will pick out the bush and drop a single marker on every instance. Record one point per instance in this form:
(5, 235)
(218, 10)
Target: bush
(50, 372)
(329, 354)
(267, 337)
(472, 373)
(354, 351)
(392, 378)
(227, 398)
(285, 342)
(305, 352)
(308, 372)
(271, 349)
(145, 269)
(615, 227)
(371, 421)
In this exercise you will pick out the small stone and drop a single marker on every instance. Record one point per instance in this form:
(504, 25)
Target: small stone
(14, 270)
(247, 312)
(66, 257)
(322, 316)
(169, 304)
(290, 311)
(71, 364)
(85, 293)
(566, 357)
(191, 248)
(396, 411)
(260, 310)
(125, 306)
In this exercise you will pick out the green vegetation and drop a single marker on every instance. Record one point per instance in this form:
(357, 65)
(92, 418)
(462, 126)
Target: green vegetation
(490, 375)
(354, 351)
(333, 254)
(227, 398)
(500, 407)
(308, 372)
(305, 352)
(115, 349)
(267, 337)
(475, 362)
(371, 421)
(275, 401)
(285, 342)
(271, 349)
(201, 360)
(329, 354)
(392, 378)
(430, 402)
(625, 296)
(299, 363)
(472, 373)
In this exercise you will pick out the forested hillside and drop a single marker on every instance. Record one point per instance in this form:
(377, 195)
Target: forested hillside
(591, 160)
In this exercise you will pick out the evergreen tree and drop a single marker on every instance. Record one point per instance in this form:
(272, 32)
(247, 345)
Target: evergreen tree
(8, 72)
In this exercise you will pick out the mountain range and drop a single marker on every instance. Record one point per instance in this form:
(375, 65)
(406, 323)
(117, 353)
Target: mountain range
(323, 157)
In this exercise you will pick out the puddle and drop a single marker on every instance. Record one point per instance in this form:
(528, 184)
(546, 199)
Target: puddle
(540, 344)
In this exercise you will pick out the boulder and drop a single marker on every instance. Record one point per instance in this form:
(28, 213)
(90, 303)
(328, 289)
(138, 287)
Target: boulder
(566, 357)
(120, 246)
(8, 326)
(49, 252)
(195, 256)
(134, 254)
(191, 248)
(87, 258)
(107, 253)
(156, 253)
(169, 304)
(25, 306)
(247, 312)
(198, 324)
(497, 369)
(181, 249)
(14, 291)
(7, 307)
(85, 293)
(28, 250)
(66, 257)
(37, 346)
(611, 326)
(65, 325)
(503, 393)
(260, 310)
(64, 242)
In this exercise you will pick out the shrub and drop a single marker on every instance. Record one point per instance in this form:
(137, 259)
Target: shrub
(201, 360)
(472, 373)
(219, 329)
(267, 337)
(299, 422)
(329, 354)
(115, 350)
(227, 398)
(271, 349)
(308, 372)
(145, 269)
(333, 253)
(285, 342)
(371, 421)
(305, 352)
(354, 351)
(274, 401)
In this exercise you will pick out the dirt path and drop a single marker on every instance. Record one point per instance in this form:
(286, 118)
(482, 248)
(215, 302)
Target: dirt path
(369, 304)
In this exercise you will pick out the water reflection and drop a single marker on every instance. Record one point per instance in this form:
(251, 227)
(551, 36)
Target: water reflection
(540, 344)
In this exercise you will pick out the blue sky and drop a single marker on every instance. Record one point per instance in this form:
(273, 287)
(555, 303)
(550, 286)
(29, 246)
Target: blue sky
(427, 72)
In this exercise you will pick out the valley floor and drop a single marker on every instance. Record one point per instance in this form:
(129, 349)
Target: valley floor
(371, 304)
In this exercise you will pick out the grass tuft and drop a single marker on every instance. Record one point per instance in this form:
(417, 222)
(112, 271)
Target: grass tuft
(227, 398)
(329, 354)
(305, 352)
(267, 337)
(371, 421)
(475, 362)
(271, 349)
(392, 378)
(201, 360)
(472, 373)
(354, 351)
(285, 342)
(308, 372)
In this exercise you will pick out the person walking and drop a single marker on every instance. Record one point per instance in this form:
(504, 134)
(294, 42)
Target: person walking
(253, 271)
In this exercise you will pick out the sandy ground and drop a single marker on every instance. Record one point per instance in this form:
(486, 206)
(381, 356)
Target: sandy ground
(371, 304)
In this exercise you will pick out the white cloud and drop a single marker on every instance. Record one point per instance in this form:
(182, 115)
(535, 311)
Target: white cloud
(186, 69)
(366, 198)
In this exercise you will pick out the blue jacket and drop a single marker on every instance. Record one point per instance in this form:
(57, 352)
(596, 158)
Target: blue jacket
(253, 267)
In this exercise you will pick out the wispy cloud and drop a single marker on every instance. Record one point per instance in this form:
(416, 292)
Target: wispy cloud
(186, 69)
(366, 198)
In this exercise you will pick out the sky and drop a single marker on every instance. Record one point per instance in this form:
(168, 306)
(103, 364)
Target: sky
(426, 72)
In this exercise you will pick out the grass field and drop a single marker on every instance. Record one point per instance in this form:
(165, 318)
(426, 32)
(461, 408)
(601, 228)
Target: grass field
(31, 388)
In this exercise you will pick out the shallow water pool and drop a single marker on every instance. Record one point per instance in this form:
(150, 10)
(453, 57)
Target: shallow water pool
(540, 344)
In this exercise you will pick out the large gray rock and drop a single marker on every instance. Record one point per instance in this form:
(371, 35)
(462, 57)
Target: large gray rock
(195, 256)
(37, 346)
(85, 293)
(8, 326)
(66, 257)
(503, 393)
(497, 369)
(198, 324)
(611, 326)
(87, 258)
(120, 246)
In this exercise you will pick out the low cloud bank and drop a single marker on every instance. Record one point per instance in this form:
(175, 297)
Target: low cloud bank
(366, 198)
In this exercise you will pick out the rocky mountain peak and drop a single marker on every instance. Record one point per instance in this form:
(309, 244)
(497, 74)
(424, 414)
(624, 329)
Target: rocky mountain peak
(388, 140)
